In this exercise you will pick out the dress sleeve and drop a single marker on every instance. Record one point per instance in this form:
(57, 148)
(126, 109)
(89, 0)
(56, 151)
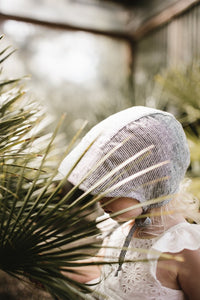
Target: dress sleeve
(179, 237)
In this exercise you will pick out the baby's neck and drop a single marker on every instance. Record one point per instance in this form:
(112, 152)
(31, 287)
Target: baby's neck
(160, 222)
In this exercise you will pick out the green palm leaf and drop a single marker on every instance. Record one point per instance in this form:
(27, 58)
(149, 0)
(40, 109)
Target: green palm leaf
(181, 89)
(35, 221)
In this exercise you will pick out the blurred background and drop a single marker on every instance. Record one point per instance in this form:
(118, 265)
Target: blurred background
(92, 58)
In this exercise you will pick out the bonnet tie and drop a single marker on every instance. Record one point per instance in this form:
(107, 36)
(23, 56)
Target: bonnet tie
(138, 223)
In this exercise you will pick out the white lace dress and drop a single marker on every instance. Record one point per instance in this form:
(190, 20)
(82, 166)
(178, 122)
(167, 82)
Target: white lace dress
(137, 280)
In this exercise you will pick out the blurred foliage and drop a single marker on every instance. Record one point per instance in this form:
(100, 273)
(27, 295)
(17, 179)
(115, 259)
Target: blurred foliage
(85, 71)
(36, 219)
(181, 95)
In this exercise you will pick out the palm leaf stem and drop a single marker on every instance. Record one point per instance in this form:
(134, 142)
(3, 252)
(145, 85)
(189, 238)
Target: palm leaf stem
(46, 244)
(23, 167)
(19, 133)
(11, 214)
(27, 197)
(5, 57)
(11, 81)
(3, 204)
(4, 50)
(4, 108)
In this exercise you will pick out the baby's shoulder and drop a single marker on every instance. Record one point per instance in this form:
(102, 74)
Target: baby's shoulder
(189, 272)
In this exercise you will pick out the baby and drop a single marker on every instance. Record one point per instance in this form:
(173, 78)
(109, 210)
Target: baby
(135, 162)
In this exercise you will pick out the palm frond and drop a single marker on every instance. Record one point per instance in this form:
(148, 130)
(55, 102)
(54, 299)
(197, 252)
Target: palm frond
(34, 220)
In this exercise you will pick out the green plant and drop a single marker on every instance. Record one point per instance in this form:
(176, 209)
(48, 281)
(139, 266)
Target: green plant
(181, 94)
(41, 231)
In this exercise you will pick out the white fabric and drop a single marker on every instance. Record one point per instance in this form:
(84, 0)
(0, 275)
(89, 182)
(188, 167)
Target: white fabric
(138, 280)
(141, 153)
(109, 127)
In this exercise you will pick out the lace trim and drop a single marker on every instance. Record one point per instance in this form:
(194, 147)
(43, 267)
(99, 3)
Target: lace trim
(135, 276)
(181, 236)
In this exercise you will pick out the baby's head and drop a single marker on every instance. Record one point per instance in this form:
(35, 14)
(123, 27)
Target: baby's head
(140, 153)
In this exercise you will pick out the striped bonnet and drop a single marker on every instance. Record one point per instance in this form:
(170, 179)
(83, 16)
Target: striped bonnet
(140, 152)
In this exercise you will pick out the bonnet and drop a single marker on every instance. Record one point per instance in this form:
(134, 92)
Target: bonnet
(140, 152)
